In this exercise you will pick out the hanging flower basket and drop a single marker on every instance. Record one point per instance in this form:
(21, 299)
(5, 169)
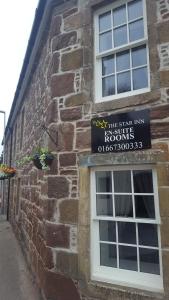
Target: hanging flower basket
(43, 161)
(6, 172)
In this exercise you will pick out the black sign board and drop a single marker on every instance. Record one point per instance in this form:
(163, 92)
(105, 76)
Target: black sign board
(120, 133)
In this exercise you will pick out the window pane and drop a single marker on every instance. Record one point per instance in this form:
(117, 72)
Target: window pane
(108, 65)
(123, 82)
(143, 181)
(147, 234)
(120, 36)
(135, 9)
(127, 232)
(123, 61)
(122, 181)
(108, 255)
(103, 182)
(119, 15)
(144, 206)
(105, 41)
(108, 86)
(149, 261)
(107, 231)
(128, 258)
(139, 56)
(140, 78)
(104, 205)
(123, 206)
(105, 22)
(136, 30)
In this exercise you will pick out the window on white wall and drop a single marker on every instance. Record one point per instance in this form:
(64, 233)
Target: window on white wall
(121, 50)
(125, 237)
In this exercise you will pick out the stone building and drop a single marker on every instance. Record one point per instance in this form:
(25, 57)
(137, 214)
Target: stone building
(96, 225)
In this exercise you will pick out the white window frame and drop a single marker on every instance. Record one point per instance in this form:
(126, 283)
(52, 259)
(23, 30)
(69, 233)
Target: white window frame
(98, 56)
(134, 279)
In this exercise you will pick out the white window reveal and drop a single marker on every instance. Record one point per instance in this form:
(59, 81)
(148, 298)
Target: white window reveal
(125, 237)
(121, 50)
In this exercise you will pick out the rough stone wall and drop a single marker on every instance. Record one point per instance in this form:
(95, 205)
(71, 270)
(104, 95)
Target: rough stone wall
(51, 225)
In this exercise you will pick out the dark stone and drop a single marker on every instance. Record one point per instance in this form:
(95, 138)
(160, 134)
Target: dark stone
(57, 235)
(64, 40)
(58, 187)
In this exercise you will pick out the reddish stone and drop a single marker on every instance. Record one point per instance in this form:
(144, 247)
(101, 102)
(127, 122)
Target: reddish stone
(55, 26)
(54, 65)
(68, 172)
(49, 208)
(164, 78)
(83, 139)
(76, 100)
(65, 137)
(64, 40)
(71, 114)
(163, 32)
(160, 112)
(52, 112)
(58, 187)
(67, 263)
(67, 159)
(82, 124)
(62, 85)
(72, 60)
(59, 287)
(69, 211)
(70, 12)
(47, 256)
(57, 235)
(160, 130)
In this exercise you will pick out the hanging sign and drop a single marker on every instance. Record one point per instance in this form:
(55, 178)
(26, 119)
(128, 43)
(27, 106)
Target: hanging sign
(122, 132)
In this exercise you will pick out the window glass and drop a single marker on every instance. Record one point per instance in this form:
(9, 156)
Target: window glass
(123, 82)
(105, 21)
(147, 234)
(123, 206)
(123, 61)
(119, 15)
(108, 84)
(140, 78)
(107, 231)
(136, 30)
(144, 206)
(143, 182)
(122, 181)
(149, 261)
(135, 9)
(104, 205)
(126, 233)
(120, 36)
(139, 56)
(103, 182)
(128, 258)
(108, 65)
(108, 255)
(105, 41)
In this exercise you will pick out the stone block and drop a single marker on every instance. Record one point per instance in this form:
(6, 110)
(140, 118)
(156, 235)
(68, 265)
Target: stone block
(58, 187)
(70, 12)
(52, 112)
(164, 78)
(73, 22)
(71, 114)
(163, 32)
(67, 263)
(54, 65)
(65, 137)
(76, 100)
(164, 232)
(163, 175)
(165, 261)
(69, 211)
(164, 201)
(83, 139)
(57, 235)
(64, 40)
(67, 159)
(49, 209)
(72, 60)
(160, 112)
(62, 85)
(60, 287)
(160, 130)
(55, 27)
